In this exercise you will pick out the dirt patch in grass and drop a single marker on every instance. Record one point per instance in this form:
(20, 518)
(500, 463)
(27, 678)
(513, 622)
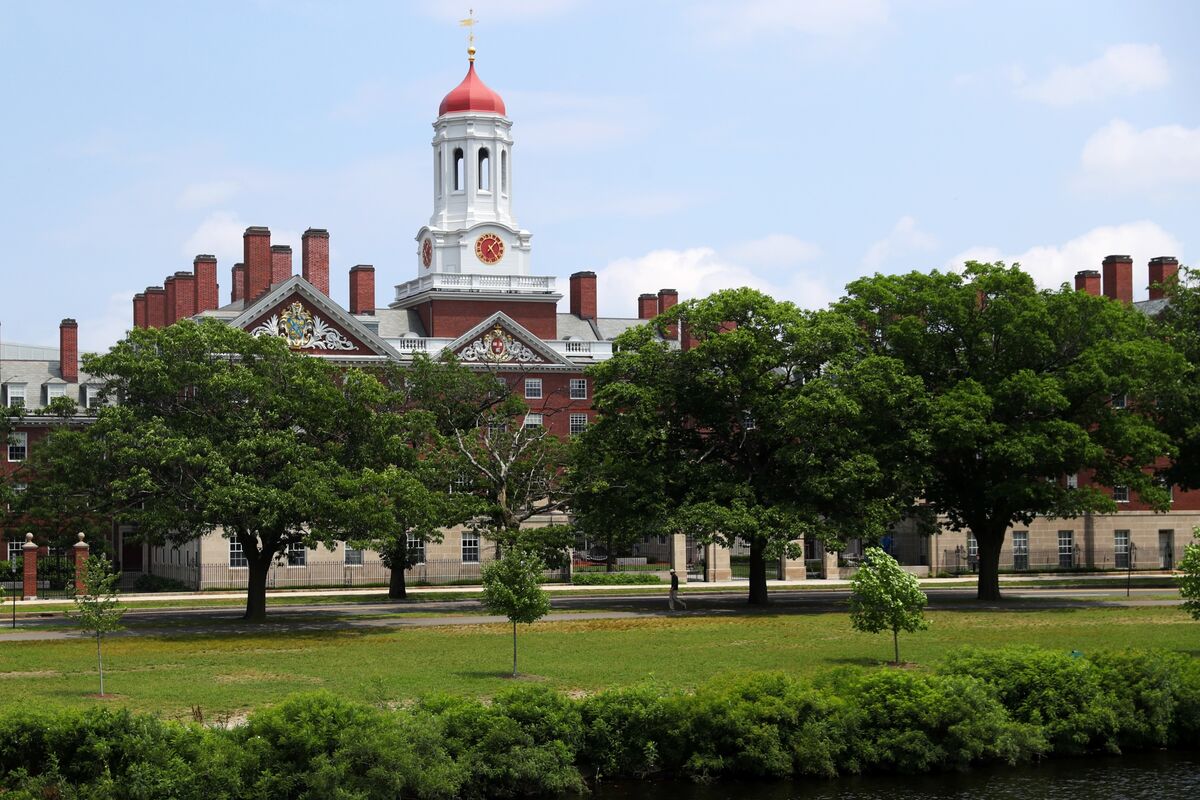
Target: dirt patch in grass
(257, 676)
(41, 673)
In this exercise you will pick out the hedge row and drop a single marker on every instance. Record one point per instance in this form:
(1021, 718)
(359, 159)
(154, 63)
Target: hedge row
(613, 578)
(979, 706)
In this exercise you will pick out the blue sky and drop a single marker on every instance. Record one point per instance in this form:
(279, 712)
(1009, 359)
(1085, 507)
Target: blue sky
(792, 146)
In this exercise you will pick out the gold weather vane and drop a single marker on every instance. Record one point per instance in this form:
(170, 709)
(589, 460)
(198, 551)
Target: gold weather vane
(469, 23)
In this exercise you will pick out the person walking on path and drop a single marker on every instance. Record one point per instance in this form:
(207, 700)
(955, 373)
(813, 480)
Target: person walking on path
(673, 598)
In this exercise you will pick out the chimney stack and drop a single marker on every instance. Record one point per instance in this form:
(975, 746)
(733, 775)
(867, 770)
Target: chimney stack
(362, 289)
(139, 310)
(68, 350)
(169, 301)
(238, 279)
(256, 251)
(314, 258)
(583, 295)
(156, 307)
(1118, 278)
(666, 299)
(647, 306)
(185, 295)
(1088, 280)
(208, 295)
(1163, 271)
(281, 263)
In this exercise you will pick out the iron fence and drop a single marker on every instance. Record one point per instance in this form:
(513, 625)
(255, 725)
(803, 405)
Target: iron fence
(961, 562)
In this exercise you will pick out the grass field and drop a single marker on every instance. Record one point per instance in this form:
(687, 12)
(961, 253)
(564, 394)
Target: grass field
(231, 673)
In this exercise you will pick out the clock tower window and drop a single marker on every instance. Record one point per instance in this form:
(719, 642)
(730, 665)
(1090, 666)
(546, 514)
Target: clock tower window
(503, 172)
(439, 173)
(485, 170)
(459, 169)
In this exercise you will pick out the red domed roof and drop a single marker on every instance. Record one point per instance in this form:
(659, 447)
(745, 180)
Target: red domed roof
(472, 95)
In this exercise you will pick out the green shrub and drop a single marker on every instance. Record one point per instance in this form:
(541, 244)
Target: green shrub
(1157, 697)
(613, 578)
(157, 583)
(1063, 694)
(624, 731)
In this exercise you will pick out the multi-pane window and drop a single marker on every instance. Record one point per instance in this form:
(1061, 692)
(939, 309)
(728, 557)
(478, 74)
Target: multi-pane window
(1066, 549)
(1020, 550)
(16, 548)
(91, 396)
(18, 446)
(972, 546)
(416, 549)
(1073, 480)
(55, 390)
(354, 557)
(533, 388)
(470, 547)
(579, 388)
(1119, 401)
(16, 394)
(577, 423)
(1121, 549)
(533, 420)
(237, 556)
(1121, 494)
(297, 554)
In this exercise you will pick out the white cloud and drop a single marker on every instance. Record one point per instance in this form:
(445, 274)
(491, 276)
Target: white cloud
(1123, 69)
(219, 234)
(1122, 154)
(905, 238)
(1051, 265)
(748, 19)
(102, 330)
(205, 195)
(700, 271)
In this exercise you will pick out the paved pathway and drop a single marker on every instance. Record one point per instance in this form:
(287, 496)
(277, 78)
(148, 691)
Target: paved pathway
(399, 614)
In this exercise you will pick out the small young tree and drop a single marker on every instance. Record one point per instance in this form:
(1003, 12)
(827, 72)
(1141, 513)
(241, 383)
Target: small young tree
(886, 598)
(512, 587)
(1189, 581)
(97, 610)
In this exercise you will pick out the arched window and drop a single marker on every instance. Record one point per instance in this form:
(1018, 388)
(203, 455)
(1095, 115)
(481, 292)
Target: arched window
(503, 172)
(485, 170)
(440, 169)
(459, 168)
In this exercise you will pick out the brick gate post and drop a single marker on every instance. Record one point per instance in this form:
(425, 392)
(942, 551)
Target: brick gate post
(30, 553)
(82, 550)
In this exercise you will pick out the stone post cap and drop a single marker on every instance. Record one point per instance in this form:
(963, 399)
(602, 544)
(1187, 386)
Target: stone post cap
(81, 543)
(29, 545)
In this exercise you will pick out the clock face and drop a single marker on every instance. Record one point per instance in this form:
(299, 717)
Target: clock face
(427, 252)
(489, 248)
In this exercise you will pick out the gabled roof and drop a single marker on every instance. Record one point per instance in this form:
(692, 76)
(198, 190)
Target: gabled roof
(319, 304)
(501, 341)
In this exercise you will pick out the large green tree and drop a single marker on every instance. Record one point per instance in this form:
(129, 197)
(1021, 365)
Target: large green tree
(1020, 385)
(772, 424)
(215, 429)
(1178, 323)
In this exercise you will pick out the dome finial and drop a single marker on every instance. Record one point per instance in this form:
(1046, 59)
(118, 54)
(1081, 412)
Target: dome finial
(469, 24)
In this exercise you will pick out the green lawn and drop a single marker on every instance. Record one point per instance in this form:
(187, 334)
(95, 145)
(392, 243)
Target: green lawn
(232, 673)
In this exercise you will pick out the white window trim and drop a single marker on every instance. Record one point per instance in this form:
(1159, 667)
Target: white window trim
(477, 547)
(292, 547)
(346, 562)
(534, 420)
(416, 543)
(23, 438)
(241, 551)
(579, 384)
(532, 385)
(22, 388)
(1125, 489)
(54, 390)
(577, 418)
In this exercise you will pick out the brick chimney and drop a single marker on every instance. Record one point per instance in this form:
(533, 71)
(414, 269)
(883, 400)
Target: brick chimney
(314, 258)
(687, 341)
(583, 295)
(1118, 278)
(256, 251)
(156, 307)
(139, 310)
(1088, 280)
(647, 306)
(1163, 270)
(208, 296)
(281, 263)
(666, 299)
(185, 295)
(238, 279)
(68, 350)
(169, 301)
(362, 289)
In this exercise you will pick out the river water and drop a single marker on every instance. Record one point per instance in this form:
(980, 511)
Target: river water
(1147, 776)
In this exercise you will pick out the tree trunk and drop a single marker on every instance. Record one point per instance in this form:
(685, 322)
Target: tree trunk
(396, 588)
(990, 543)
(758, 573)
(514, 649)
(259, 566)
(100, 663)
(896, 644)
